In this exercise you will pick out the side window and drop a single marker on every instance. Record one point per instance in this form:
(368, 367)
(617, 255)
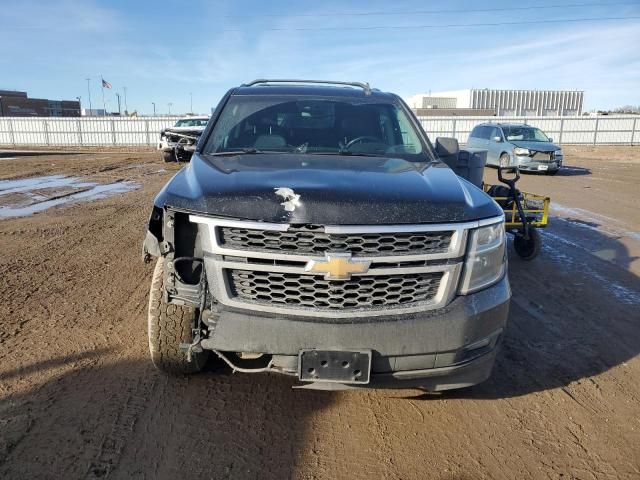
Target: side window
(476, 132)
(494, 132)
(485, 132)
(410, 140)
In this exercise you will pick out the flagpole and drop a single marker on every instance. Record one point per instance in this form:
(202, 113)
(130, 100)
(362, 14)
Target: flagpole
(103, 104)
(89, 92)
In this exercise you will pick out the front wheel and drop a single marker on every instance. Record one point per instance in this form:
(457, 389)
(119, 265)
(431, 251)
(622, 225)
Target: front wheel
(505, 160)
(528, 249)
(169, 156)
(169, 326)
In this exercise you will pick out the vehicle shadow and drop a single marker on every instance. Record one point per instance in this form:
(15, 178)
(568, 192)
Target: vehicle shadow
(573, 315)
(8, 153)
(565, 171)
(125, 419)
(571, 171)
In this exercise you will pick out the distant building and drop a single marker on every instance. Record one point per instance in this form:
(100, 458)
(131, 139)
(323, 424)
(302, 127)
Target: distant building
(538, 103)
(18, 104)
(93, 112)
(454, 112)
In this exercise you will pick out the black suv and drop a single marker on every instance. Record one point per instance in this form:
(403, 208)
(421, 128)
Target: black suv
(317, 233)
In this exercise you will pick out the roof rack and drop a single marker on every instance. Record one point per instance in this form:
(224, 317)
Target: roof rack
(363, 86)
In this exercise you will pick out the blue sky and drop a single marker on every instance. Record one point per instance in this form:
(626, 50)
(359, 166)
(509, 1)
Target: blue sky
(164, 50)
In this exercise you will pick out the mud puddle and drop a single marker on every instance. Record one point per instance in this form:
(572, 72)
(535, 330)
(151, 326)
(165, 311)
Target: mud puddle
(24, 197)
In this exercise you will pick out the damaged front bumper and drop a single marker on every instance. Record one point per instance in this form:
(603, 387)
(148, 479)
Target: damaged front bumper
(166, 146)
(453, 347)
(527, 163)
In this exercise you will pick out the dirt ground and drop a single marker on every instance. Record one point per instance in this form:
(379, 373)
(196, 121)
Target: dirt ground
(79, 397)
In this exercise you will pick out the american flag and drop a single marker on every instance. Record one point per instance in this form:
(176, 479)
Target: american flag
(105, 84)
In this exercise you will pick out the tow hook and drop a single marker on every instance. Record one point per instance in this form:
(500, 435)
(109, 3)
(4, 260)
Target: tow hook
(189, 348)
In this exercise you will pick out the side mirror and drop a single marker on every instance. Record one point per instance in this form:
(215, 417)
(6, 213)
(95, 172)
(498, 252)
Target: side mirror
(550, 139)
(446, 146)
(497, 139)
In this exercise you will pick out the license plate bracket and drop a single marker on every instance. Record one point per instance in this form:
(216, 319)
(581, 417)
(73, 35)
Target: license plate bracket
(353, 366)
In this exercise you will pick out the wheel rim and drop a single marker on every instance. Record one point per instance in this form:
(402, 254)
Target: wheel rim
(504, 160)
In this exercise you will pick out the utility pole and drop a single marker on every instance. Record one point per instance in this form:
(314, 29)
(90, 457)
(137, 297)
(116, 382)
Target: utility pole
(169, 107)
(126, 109)
(191, 102)
(154, 108)
(118, 97)
(89, 91)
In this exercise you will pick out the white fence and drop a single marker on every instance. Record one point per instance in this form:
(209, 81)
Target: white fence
(110, 131)
(82, 131)
(601, 130)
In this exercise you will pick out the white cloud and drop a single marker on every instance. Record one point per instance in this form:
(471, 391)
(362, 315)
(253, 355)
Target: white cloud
(604, 63)
(600, 58)
(61, 17)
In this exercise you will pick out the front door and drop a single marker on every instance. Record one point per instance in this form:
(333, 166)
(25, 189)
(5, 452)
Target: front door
(494, 148)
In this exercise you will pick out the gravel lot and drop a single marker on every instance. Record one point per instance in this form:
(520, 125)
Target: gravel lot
(79, 397)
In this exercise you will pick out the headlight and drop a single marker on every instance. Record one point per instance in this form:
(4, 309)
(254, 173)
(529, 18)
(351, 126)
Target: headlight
(521, 151)
(557, 153)
(486, 259)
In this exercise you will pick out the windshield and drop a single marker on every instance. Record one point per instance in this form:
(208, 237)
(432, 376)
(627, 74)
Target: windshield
(191, 122)
(528, 134)
(319, 126)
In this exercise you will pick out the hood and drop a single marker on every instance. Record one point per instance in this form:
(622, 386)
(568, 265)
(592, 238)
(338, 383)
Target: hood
(325, 189)
(537, 146)
(186, 130)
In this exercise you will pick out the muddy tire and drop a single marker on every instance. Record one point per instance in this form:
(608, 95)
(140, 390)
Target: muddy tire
(168, 157)
(528, 249)
(168, 326)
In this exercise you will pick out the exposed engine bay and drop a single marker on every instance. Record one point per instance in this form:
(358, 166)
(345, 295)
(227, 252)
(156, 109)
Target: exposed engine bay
(183, 143)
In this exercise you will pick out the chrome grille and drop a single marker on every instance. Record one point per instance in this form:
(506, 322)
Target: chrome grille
(314, 240)
(308, 291)
(263, 267)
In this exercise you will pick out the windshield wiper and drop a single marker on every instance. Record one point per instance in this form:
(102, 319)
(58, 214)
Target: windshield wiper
(236, 152)
(357, 154)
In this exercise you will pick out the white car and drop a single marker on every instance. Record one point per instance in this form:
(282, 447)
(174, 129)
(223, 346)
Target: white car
(178, 142)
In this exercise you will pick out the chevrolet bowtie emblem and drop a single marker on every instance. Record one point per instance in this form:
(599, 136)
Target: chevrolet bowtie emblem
(338, 266)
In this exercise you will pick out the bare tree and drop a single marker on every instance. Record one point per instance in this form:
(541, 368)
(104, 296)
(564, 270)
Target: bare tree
(628, 109)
